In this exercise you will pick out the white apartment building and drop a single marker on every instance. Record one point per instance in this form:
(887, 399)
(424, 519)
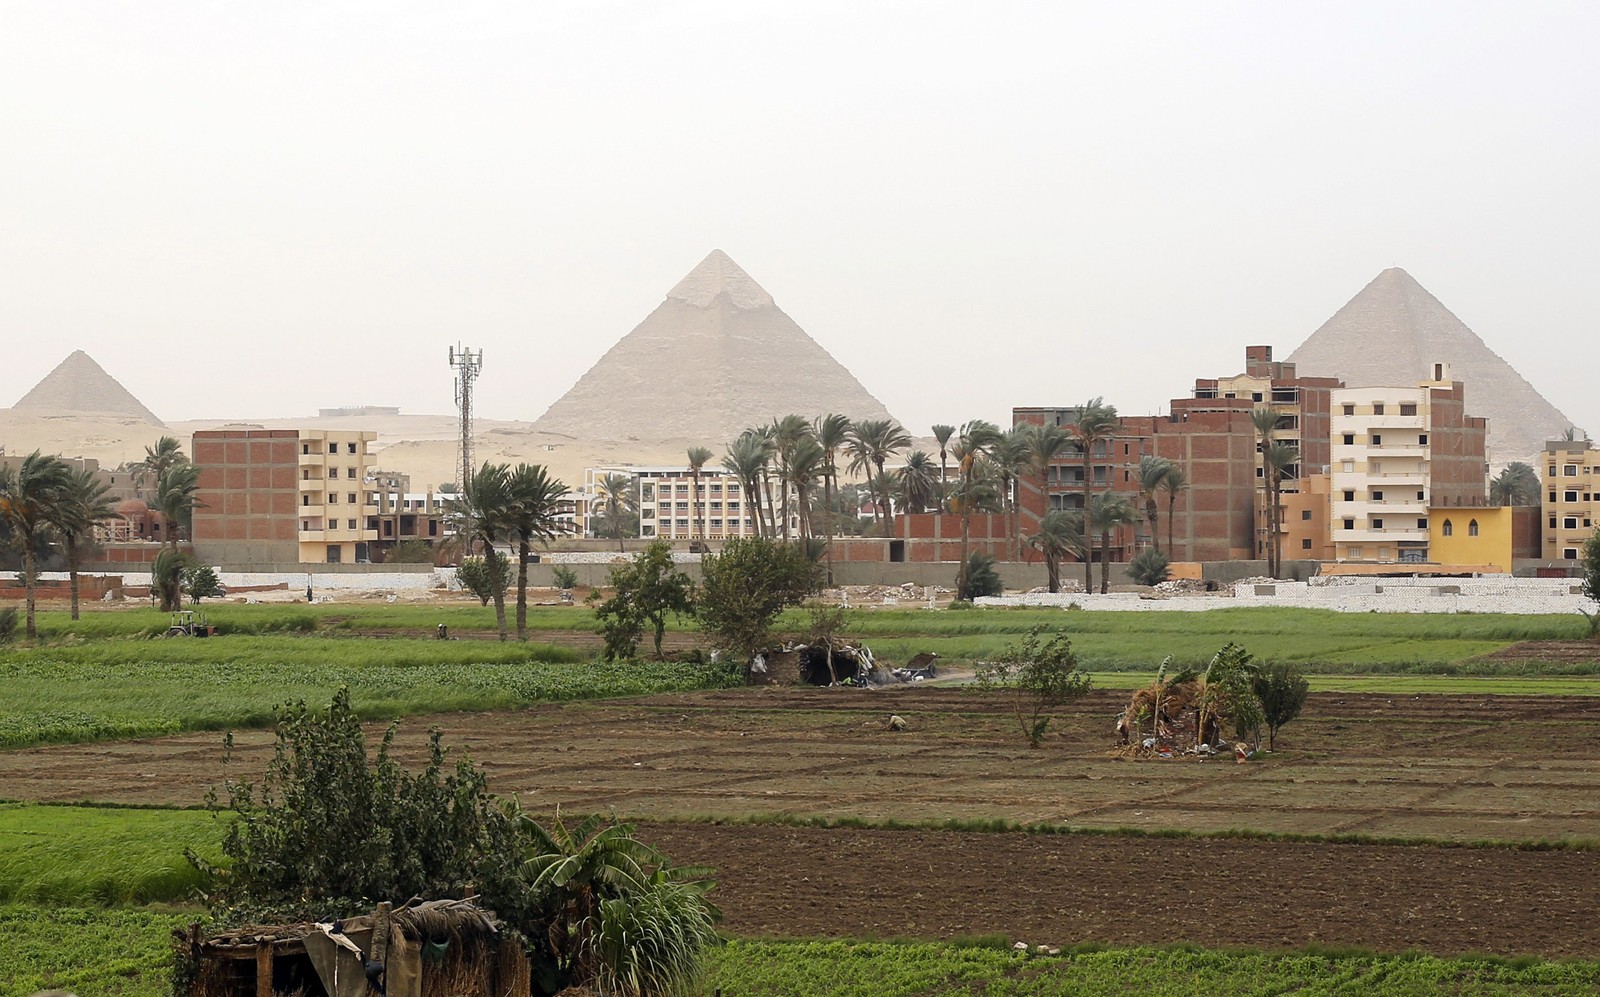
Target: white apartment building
(337, 500)
(720, 510)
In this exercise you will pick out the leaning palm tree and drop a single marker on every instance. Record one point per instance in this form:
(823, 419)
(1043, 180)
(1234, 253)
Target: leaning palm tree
(917, 486)
(786, 436)
(1265, 419)
(745, 459)
(1174, 483)
(1060, 533)
(697, 461)
(83, 503)
(1107, 514)
(535, 510)
(166, 453)
(28, 495)
(485, 505)
(617, 500)
(942, 433)
(1011, 456)
(801, 468)
(974, 438)
(831, 431)
(177, 493)
(871, 443)
(1095, 427)
(1153, 471)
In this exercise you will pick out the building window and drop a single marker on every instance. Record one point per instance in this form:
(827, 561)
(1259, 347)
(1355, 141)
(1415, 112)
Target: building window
(1552, 522)
(1305, 514)
(1377, 439)
(350, 448)
(1349, 439)
(1305, 544)
(1472, 528)
(1377, 495)
(1570, 554)
(1355, 551)
(1349, 524)
(1570, 523)
(350, 472)
(333, 448)
(1422, 439)
(349, 524)
(333, 498)
(1420, 495)
(1408, 408)
(1377, 408)
(433, 527)
(305, 500)
(1349, 409)
(1377, 522)
(1570, 497)
(1422, 523)
(1570, 470)
(1348, 467)
(1349, 494)
(1449, 529)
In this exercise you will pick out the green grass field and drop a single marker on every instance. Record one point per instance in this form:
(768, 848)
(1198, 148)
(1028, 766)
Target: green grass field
(138, 688)
(105, 856)
(127, 953)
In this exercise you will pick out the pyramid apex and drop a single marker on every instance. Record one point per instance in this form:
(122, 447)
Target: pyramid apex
(718, 275)
(80, 384)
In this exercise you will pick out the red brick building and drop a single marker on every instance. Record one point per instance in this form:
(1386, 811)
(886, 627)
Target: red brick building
(248, 496)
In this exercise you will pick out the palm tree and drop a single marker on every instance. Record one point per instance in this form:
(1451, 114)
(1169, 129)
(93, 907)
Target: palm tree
(176, 492)
(942, 433)
(28, 494)
(534, 508)
(697, 460)
(1108, 513)
(1516, 484)
(918, 489)
(1011, 455)
(166, 453)
(1174, 483)
(1152, 471)
(745, 458)
(617, 501)
(805, 461)
(1060, 533)
(871, 442)
(84, 502)
(1265, 419)
(831, 431)
(1281, 461)
(786, 436)
(975, 436)
(1045, 444)
(1096, 425)
(486, 505)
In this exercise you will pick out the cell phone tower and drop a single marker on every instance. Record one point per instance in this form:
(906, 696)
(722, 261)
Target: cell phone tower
(468, 363)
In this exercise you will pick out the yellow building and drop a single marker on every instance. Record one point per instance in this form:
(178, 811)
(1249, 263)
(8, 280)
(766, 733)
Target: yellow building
(1571, 497)
(1471, 536)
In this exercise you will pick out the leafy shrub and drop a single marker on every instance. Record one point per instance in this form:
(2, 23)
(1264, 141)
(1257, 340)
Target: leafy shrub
(744, 588)
(483, 576)
(1148, 567)
(981, 578)
(1039, 673)
(200, 582)
(1282, 691)
(565, 576)
(644, 591)
(410, 552)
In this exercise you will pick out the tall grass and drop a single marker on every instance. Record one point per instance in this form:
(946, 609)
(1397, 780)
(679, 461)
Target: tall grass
(84, 856)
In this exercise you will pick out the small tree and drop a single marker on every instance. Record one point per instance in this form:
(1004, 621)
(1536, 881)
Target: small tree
(200, 582)
(167, 573)
(1591, 579)
(1282, 691)
(980, 578)
(1148, 567)
(744, 588)
(483, 576)
(644, 592)
(1228, 691)
(1040, 673)
(565, 576)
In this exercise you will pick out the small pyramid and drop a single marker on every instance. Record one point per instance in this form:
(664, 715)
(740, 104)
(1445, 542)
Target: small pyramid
(1394, 330)
(78, 384)
(716, 357)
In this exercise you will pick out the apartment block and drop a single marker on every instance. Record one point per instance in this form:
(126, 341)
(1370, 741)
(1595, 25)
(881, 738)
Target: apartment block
(1396, 452)
(719, 509)
(275, 496)
(1571, 503)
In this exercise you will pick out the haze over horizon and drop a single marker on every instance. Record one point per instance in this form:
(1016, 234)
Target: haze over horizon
(262, 211)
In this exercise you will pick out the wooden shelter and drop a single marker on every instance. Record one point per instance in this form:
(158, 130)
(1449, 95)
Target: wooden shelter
(432, 948)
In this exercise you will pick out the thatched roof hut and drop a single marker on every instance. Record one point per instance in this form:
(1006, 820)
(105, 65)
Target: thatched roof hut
(433, 948)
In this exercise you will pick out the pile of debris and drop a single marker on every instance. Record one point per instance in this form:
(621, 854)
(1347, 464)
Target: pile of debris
(1175, 717)
(1182, 586)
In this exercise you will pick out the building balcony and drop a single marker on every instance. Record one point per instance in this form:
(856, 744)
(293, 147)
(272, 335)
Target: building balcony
(313, 459)
(1368, 423)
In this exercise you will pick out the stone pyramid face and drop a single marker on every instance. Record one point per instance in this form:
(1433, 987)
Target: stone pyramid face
(716, 357)
(78, 384)
(1391, 334)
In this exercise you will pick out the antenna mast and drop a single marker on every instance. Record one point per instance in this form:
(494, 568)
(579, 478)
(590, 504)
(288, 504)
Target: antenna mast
(468, 363)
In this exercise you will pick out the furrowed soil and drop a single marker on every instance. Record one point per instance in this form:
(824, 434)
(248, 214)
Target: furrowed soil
(1517, 768)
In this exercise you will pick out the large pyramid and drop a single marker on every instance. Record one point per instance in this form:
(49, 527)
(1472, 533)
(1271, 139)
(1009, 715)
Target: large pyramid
(78, 384)
(1394, 330)
(716, 357)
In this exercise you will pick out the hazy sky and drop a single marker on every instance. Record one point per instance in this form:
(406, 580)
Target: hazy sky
(259, 209)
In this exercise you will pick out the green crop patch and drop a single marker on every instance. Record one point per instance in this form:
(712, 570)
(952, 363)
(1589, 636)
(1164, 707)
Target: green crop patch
(78, 856)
